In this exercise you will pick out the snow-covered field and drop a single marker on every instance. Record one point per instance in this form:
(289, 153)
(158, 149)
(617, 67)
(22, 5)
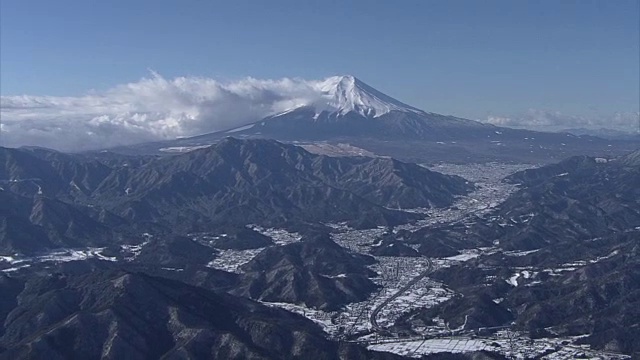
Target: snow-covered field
(511, 344)
(232, 260)
(417, 348)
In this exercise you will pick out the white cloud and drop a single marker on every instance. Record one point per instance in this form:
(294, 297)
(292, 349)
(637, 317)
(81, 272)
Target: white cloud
(153, 108)
(546, 120)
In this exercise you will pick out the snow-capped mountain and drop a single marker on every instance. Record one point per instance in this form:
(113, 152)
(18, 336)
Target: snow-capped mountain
(344, 94)
(338, 96)
(344, 109)
(346, 106)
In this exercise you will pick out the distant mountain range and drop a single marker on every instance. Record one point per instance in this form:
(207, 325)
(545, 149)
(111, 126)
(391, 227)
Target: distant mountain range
(605, 133)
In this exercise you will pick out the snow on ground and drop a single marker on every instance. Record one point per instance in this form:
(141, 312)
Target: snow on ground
(335, 150)
(520, 253)
(183, 149)
(559, 271)
(17, 261)
(57, 256)
(241, 128)
(465, 255)
(134, 250)
(72, 255)
(513, 280)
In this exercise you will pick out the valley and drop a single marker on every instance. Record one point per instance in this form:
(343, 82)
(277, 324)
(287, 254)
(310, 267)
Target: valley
(405, 286)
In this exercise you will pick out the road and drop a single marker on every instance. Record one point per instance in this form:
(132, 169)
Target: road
(373, 319)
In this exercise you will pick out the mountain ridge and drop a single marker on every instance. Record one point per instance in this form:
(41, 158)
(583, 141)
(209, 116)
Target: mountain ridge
(236, 182)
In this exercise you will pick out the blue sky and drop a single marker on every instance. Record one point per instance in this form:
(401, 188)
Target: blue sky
(467, 58)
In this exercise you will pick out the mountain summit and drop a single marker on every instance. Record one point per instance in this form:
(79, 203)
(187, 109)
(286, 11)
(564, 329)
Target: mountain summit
(344, 94)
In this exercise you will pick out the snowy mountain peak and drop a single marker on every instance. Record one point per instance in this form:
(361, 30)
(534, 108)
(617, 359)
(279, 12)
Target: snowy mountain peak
(344, 94)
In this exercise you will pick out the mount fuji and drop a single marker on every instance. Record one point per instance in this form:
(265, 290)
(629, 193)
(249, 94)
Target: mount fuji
(344, 94)
(346, 110)
(346, 106)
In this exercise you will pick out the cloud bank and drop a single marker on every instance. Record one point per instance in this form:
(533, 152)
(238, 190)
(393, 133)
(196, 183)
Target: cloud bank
(545, 120)
(153, 108)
